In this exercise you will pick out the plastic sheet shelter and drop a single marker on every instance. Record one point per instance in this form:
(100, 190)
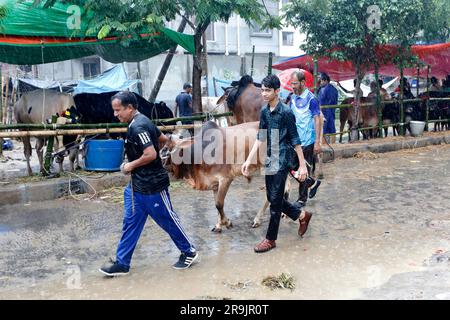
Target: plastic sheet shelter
(435, 55)
(36, 35)
(113, 79)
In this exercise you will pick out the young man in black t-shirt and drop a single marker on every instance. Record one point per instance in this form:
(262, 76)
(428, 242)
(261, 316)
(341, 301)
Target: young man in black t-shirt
(277, 129)
(147, 193)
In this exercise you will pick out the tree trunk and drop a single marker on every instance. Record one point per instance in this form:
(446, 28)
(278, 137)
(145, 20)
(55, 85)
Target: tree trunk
(139, 85)
(355, 114)
(197, 74)
(205, 64)
(165, 66)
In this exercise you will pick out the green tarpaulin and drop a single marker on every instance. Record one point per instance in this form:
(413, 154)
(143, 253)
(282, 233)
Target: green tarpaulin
(35, 35)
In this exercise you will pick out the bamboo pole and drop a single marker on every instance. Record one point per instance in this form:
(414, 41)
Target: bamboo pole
(6, 98)
(49, 151)
(417, 84)
(253, 60)
(315, 76)
(402, 115)
(48, 133)
(200, 117)
(384, 126)
(123, 130)
(10, 108)
(427, 106)
(269, 68)
(36, 126)
(380, 113)
(381, 102)
(101, 125)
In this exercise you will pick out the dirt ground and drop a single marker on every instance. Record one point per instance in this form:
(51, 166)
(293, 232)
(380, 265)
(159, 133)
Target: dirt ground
(380, 230)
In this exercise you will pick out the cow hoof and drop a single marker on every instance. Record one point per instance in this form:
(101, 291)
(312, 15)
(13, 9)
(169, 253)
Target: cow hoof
(230, 225)
(216, 230)
(256, 224)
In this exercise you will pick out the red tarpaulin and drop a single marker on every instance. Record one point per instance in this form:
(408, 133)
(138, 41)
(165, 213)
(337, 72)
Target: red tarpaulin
(436, 55)
(285, 78)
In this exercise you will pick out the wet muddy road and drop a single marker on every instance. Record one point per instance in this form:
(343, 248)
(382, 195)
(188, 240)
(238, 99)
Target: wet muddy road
(381, 229)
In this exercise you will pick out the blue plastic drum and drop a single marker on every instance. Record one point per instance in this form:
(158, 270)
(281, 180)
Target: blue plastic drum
(103, 155)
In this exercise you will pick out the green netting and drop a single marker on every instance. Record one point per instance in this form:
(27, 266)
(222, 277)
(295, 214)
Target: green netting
(60, 23)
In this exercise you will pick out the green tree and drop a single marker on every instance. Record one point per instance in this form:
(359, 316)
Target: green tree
(437, 23)
(130, 16)
(204, 12)
(351, 30)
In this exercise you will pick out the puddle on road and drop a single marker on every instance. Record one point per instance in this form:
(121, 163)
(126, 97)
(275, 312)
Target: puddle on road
(372, 219)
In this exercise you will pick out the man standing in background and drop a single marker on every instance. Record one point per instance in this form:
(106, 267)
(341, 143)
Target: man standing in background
(183, 102)
(328, 95)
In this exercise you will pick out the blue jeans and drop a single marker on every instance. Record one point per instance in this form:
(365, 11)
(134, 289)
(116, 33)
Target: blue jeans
(159, 207)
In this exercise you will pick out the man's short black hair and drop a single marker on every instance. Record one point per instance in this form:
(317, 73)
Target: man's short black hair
(126, 98)
(187, 85)
(271, 81)
(324, 77)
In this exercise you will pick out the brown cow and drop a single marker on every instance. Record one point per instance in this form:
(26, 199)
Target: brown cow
(367, 117)
(245, 101)
(212, 159)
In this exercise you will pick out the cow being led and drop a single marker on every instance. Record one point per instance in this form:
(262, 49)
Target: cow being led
(37, 107)
(212, 159)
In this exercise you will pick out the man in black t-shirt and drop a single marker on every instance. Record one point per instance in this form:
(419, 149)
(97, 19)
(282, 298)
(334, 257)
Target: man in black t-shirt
(147, 193)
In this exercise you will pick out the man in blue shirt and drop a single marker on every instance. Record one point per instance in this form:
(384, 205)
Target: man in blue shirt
(147, 194)
(277, 130)
(184, 101)
(328, 95)
(305, 107)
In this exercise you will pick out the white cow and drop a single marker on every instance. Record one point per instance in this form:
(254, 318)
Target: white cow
(37, 107)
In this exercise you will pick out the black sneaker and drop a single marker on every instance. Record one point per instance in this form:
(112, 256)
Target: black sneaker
(313, 190)
(300, 203)
(114, 269)
(185, 261)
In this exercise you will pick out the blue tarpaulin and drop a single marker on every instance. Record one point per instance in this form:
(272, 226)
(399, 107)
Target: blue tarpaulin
(114, 79)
